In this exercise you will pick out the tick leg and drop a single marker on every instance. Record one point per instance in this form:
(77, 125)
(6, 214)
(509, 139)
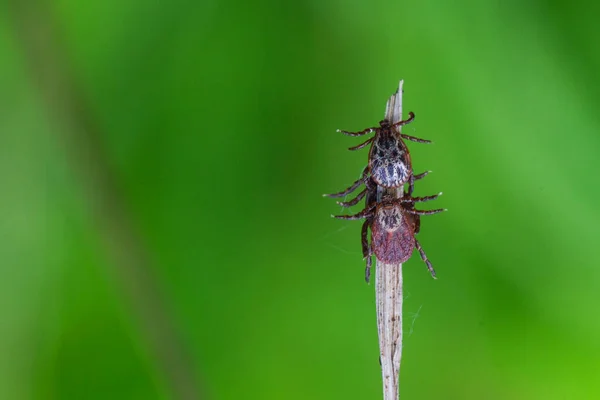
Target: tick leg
(411, 182)
(360, 146)
(348, 190)
(414, 139)
(425, 260)
(411, 117)
(371, 185)
(352, 188)
(421, 175)
(364, 238)
(361, 133)
(367, 212)
(424, 212)
(366, 248)
(420, 199)
(368, 268)
(353, 201)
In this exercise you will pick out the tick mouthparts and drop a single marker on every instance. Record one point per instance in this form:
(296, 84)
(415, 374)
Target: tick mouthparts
(338, 130)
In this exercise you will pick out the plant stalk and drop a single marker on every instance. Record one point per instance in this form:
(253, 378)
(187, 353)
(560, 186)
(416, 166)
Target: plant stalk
(388, 291)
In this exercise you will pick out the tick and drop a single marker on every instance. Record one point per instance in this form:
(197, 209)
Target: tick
(389, 158)
(394, 222)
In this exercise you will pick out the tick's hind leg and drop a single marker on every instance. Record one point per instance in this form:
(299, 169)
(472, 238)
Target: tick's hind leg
(368, 268)
(366, 248)
(425, 259)
(364, 236)
(421, 175)
(411, 182)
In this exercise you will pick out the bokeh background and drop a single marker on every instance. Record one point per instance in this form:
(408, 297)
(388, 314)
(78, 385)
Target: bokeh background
(214, 123)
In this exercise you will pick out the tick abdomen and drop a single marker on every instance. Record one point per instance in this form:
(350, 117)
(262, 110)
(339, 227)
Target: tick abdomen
(392, 235)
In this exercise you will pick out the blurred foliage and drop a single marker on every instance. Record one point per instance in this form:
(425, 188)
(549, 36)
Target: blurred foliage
(220, 118)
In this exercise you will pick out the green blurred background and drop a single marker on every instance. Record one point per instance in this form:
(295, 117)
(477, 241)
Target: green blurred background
(218, 120)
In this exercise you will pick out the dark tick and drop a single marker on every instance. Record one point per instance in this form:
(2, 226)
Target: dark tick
(389, 158)
(389, 163)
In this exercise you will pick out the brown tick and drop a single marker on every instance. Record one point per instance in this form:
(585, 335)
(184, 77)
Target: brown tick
(394, 222)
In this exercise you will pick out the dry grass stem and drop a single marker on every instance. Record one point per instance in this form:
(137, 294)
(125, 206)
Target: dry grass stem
(388, 293)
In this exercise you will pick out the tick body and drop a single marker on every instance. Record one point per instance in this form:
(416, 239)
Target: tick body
(393, 228)
(389, 158)
(394, 222)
